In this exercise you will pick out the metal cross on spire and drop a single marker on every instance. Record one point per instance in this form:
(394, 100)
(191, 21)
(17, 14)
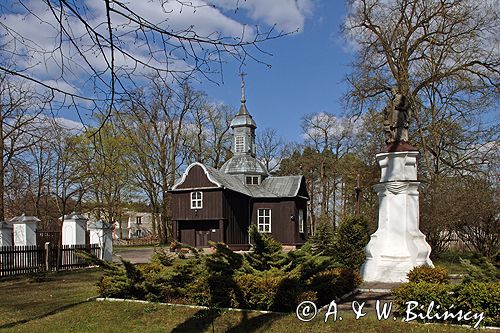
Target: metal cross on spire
(243, 74)
(358, 196)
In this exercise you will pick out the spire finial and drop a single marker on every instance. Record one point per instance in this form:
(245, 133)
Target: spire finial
(243, 74)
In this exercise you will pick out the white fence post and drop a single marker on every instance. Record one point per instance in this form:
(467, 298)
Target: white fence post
(24, 229)
(74, 229)
(102, 233)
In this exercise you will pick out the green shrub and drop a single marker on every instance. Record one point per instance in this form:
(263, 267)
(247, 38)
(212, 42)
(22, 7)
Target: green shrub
(306, 264)
(423, 293)
(480, 269)
(266, 252)
(428, 274)
(122, 281)
(162, 257)
(268, 291)
(218, 273)
(350, 241)
(198, 292)
(290, 293)
(475, 297)
(255, 291)
(322, 241)
(479, 297)
(333, 283)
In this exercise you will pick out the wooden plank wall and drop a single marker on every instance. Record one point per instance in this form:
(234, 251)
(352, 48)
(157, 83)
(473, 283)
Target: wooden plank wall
(283, 229)
(196, 178)
(236, 211)
(211, 210)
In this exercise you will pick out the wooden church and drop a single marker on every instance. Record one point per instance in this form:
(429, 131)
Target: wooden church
(220, 205)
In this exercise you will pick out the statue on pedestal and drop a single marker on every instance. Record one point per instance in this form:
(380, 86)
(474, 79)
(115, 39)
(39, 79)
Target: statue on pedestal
(396, 118)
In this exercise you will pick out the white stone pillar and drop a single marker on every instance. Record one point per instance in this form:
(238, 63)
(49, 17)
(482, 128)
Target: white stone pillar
(398, 245)
(102, 233)
(24, 229)
(5, 234)
(74, 228)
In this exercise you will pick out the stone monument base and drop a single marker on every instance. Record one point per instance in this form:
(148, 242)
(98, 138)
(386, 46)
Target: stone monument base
(398, 245)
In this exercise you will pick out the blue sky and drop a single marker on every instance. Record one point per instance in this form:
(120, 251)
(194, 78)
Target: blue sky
(307, 67)
(306, 76)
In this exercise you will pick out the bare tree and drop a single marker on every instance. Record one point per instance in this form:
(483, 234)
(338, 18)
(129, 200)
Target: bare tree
(97, 50)
(19, 107)
(270, 148)
(208, 133)
(442, 55)
(155, 122)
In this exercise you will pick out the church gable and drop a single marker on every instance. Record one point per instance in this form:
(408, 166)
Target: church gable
(303, 189)
(196, 176)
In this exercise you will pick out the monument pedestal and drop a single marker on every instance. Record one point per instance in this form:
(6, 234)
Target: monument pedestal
(398, 245)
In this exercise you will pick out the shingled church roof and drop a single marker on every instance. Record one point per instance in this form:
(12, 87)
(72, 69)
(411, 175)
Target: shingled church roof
(271, 187)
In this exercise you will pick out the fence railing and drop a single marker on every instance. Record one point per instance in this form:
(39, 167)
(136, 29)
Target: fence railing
(17, 260)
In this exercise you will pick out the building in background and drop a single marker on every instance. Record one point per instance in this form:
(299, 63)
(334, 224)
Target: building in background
(134, 225)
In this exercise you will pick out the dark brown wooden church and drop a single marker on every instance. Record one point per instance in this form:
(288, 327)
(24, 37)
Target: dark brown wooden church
(220, 205)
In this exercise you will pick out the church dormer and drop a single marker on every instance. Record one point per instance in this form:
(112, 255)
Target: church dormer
(243, 128)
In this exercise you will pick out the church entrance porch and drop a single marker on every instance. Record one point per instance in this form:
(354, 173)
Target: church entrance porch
(200, 232)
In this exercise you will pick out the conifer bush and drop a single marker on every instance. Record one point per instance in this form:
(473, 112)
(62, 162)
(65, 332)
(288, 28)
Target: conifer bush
(350, 241)
(429, 274)
(322, 242)
(266, 252)
(333, 283)
(265, 279)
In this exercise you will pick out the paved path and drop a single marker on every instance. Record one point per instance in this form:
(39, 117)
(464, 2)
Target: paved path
(369, 293)
(134, 255)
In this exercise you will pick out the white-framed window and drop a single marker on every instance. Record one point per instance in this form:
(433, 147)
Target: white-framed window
(301, 221)
(138, 220)
(264, 220)
(196, 200)
(138, 233)
(239, 143)
(252, 180)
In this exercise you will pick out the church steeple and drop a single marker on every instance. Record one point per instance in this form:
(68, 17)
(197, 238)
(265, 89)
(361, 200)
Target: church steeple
(243, 127)
(243, 163)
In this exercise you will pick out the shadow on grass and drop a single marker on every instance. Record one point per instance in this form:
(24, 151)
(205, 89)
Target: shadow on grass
(255, 323)
(198, 322)
(204, 319)
(57, 310)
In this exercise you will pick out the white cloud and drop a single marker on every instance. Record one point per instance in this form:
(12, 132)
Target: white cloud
(32, 44)
(287, 15)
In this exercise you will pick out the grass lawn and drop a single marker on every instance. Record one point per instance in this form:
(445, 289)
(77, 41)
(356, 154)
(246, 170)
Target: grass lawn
(58, 305)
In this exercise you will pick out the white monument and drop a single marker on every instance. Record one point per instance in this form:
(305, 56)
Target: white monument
(74, 228)
(398, 245)
(5, 234)
(102, 233)
(24, 229)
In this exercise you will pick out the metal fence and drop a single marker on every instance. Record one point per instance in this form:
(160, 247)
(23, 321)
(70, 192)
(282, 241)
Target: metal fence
(17, 260)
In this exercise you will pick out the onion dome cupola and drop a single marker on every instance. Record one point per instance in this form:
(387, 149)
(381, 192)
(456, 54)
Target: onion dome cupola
(243, 163)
